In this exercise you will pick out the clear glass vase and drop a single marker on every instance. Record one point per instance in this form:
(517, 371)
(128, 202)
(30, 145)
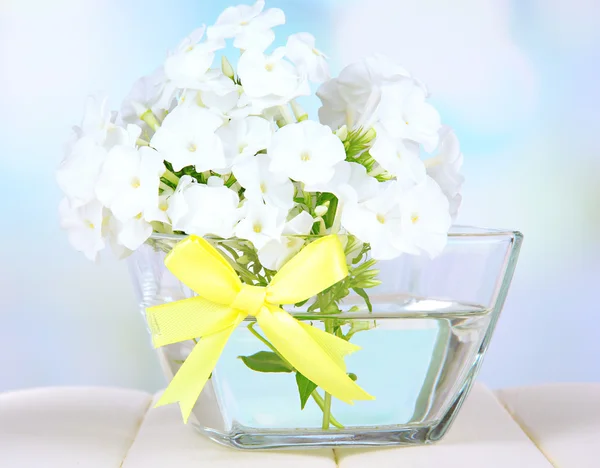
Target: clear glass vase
(422, 345)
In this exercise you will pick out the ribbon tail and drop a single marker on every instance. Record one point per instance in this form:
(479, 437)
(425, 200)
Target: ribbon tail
(191, 378)
(335, 347)
(321, 364)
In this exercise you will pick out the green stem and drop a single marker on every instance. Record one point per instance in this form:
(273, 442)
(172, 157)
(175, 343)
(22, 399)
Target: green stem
(266, 342)
(321, 404)
(326, 412)
(325, 406)
(230, 180)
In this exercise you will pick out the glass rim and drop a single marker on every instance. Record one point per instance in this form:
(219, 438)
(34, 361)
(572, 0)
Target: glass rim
(457, 231)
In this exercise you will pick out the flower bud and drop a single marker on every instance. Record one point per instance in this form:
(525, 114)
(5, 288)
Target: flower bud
(299, 112)
(367, 275)
(370, 283)
(369, 135)
(342, 133)
(227, 68)
(243, 260)
(321, 210)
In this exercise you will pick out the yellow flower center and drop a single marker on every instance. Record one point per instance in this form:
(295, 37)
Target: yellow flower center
(135, 182)
(269, 67)
(192, 148)
(89, 224)
(381, 218)
(414, 218)
(257, 228)
(263, 187)
(305, 156)
(398, 154)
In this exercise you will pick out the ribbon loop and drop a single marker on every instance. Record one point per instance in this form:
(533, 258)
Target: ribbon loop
(223, 302)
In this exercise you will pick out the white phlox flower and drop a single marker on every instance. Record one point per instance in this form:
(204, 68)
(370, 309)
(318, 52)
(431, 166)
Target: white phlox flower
(129, 181)
(78, 172)
(425, 219)
(306, 152)
(275, 253)
(127, 236)
(260, 223)
(226, 99)
(189, 65)
(399, 220)
(152, 93)
(404, 113)
(350, 183)
(270, 80)
(353, 97)
(300, 49)
(98, 124)
(445, 167)
(111, 228)
(262, 185)
(83, 225)
(399, 157)
(249, 25)
(159, 212)
(203, 210)
(98, 119)
(376, 221)
(187, 138)
(243, 138)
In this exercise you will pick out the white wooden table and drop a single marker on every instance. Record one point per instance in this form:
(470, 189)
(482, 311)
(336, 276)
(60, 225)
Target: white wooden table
(533, 427)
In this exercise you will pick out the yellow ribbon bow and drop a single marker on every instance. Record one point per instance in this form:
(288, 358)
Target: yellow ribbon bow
(223, 302)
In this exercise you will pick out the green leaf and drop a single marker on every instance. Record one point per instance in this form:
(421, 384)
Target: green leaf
(305, 388)
(266, 361)
(301, 303)
(361, 292)
(313, 307)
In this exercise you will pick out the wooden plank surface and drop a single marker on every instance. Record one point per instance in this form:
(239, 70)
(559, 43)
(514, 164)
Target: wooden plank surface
(537, 427)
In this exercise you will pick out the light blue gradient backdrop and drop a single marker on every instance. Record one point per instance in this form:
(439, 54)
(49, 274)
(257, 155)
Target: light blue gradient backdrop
(517, 79)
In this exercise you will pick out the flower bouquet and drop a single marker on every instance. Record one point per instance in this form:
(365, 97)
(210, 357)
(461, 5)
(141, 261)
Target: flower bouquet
(300, 277)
